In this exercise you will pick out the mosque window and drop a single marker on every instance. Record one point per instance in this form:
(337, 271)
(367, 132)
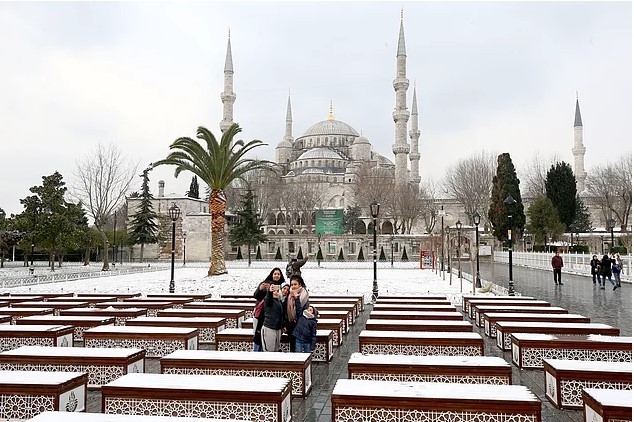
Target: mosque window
(352, 247)
(318, 142)
(312, 163)
(326, 140)
(332, 248)
(318, 163)
(310, 142)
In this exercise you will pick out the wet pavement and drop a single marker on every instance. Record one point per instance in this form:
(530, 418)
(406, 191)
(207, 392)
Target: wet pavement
(577, 294)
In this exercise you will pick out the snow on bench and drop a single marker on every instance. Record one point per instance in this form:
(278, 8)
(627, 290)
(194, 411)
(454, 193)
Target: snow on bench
(215, 396)
(564, 379)
(415, 308)
(100, 417)
(120, 315)
(420, 343)
(233, 317)
(483, 309)
(331, 314)
(119, 296)
(151, 307)
(456, 369)
(80, 323)
(197, 297)
(24, 394)
(317, 301)
(14, 336)
(490, 318)
(241, 339)
(360, 299)
(417, 315)
(56, 306)
(246, 306)
(90, 299)
(6, 319)
(102, 365)
(477, 305)
(294, 366)
(349, 308)
(413, 301)
(207, 327)
(177, 302)
(605, 405)
(504, 329)
(466, 300)
(418, 325)
(362, 400)
(334, 324)
(157, 341)
(16, 313)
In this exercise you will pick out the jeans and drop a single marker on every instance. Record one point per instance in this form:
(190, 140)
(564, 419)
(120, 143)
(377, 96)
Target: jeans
(301, 347)
(609, 277)
(557, 275)
(617, 278)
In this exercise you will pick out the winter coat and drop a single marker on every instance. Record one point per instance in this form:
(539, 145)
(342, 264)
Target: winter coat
(273, 312)
(616, 266)
(557, 262)
(306, 328)
(606, 266)
(595, 264)
(293, 267)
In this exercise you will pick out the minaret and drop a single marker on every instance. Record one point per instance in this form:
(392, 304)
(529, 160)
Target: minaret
(414, 134)
(288, 136)
(578, 150)
(227, 96)
(400, 148)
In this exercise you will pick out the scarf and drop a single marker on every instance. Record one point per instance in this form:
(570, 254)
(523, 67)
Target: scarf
(291, 312)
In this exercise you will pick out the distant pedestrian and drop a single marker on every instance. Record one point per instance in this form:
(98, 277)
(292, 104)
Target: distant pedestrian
(606, 271)
(294, 267)
(617, 265)
(557, 263)
(595, 265)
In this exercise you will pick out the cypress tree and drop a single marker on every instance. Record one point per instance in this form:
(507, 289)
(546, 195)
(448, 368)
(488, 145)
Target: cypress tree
(340, 258)
(404, 256)
(561, 189)
(194, 189)
(239, 255)
(320, 255)
(258, 255)
(143, 227)
(248, 229)
(505, 184)
(299, 253)
(360, 257)
(382, 255)
(278, 254)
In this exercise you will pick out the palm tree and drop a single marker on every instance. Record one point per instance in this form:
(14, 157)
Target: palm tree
(217, 165)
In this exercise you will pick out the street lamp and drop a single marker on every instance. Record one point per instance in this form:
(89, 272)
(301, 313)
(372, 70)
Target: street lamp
(32, 248)
(442, 238)
(114, 240)
(508, 202)
(184, 241)
(459, 227)
(611, 224)
(374, 211)
(448, 253)
(392, 249)
(174, 213)
(476, 221)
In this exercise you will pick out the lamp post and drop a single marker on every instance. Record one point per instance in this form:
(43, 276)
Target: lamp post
(392, 249)
(114, 240)
(32, 249)
(476, 221)
(318, 249)
(611, 224)
(442, 213)
(374, 211)
(600, 236)
(184, 241)
(448, 253)
(508, 202)
(174, 213)
(459, 227)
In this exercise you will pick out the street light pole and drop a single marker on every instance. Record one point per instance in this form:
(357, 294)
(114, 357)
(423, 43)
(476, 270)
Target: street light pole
(392, 250)
(476, 221)
(611, 224)
(174, 213)
(442, 239)
(374, 211)
(114, 240)
(448, 253)
(184, 241)
(509, 201)
(459, 227)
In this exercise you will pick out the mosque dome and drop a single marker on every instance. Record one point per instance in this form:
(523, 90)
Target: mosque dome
(331, 127)
(361, 140)
(319, 153)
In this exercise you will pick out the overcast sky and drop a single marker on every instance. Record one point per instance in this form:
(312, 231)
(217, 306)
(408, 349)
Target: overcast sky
(494, 76)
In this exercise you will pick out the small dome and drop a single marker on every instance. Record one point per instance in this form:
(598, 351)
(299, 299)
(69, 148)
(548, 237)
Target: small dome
(320, 153)
(330, 127)
(382, 160)
(361, 140)
(284, 144)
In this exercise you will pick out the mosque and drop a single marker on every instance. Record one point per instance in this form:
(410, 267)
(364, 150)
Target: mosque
(327, 156)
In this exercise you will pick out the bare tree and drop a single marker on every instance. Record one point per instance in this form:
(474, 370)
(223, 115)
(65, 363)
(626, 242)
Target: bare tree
(408, 207)
(610, 187)
(533, 176)
(430, 207)
(470, 182)
(103, 179)
(374, 183)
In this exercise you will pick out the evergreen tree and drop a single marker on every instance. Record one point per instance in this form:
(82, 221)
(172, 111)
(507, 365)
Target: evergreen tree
(299, 253)
(382, 255)
(360, 257)
(561, 189)
(544, 220)
(239, 255)
(258, 254)
(320, 255)
(248, 230)
(581, 223)
(351, 217)
(340, 258)
(278, 254)
(144, 228)
(404, 256)
(193, 191)
(505, 184)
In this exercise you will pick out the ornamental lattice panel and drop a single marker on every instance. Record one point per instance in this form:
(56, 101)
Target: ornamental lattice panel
(532, 357)
(461, 379)
(236, 346)
(153, 348)
(98, 375)
(10, 343)
(419, 350)
(345, 414)
(24, 406)
(571, 389)
(192, 409)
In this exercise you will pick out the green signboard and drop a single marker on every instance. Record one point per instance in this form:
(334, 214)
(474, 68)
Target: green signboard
(329, 222)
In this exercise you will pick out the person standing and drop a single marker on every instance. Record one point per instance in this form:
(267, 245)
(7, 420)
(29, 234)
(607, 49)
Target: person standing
(595, 265)
(294, 267)
(298, 296)
(273, 318)
(275, 277)
(306, 329)
(606, 270)
(557, 263)
(617, 265)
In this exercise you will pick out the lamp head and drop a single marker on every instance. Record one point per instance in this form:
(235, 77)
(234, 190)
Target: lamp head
(374, 208)
(476, 218)
(458, 224)
(174, 212)
(611, 223)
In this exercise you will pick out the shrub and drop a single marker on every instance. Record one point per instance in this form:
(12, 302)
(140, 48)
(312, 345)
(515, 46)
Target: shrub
(278, 254)
(239, 255)
(340, 257)
(360, 257)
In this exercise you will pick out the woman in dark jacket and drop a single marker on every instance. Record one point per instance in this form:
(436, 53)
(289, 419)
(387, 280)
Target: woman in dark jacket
(606, 270)
(277, 278)
(595, 265)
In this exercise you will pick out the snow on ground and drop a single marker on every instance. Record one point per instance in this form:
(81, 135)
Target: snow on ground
(330, 278)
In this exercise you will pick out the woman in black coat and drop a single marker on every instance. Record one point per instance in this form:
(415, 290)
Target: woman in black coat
(606, 270)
